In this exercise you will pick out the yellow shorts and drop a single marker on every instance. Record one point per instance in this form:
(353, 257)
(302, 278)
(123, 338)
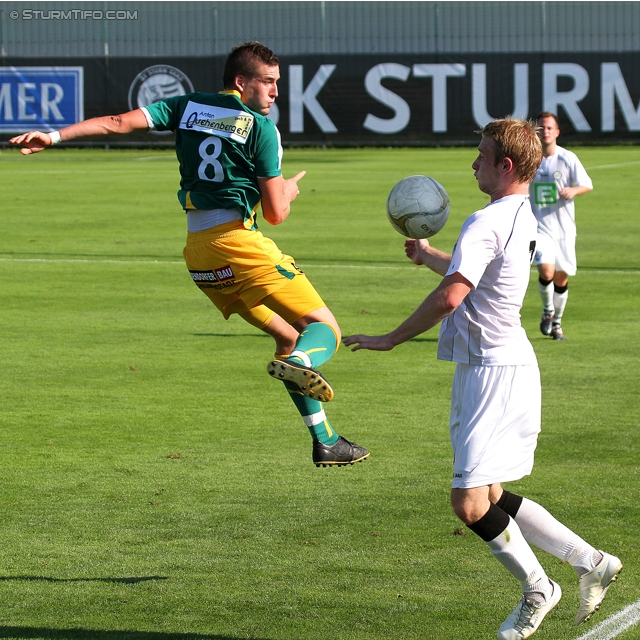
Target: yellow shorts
(237, 268)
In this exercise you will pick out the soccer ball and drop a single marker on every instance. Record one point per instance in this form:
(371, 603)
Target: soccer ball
(418, 207)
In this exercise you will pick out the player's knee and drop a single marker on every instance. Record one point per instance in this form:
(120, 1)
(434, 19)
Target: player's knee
(560, 278)
(465, 515)
(463, 509)
(336, 330)
(323, 316)
(546, 272)
(469, 505)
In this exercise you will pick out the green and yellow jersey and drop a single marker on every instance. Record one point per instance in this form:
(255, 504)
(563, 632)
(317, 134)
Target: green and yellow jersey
(223, 148)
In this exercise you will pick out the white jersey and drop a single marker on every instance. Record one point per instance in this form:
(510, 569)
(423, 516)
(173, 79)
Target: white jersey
(555, 215)
(494, 253)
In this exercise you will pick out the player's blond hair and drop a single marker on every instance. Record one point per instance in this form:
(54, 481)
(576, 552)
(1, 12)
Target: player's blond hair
(519, 141)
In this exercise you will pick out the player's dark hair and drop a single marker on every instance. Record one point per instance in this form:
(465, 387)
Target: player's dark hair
(548, 114)
(519, 141)
(245, 59)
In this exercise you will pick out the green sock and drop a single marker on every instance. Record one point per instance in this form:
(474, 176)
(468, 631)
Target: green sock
(316, 344)
(312, 413)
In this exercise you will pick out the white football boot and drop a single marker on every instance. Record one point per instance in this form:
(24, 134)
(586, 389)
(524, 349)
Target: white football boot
(594, 585)
(528, 615)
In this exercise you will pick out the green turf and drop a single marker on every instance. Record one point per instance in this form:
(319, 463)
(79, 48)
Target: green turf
(156, 483)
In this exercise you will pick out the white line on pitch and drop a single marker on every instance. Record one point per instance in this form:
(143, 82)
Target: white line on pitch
(614, 625)
(301, 264)
(364, 266)
(615, 166)
(85, 261)
(144, 158)
(107, 261)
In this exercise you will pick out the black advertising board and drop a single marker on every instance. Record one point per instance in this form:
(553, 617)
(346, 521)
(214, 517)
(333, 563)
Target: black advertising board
(354, 99)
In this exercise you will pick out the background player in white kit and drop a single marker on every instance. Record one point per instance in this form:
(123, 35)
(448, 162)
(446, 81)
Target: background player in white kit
(495, 404)
(559, 179)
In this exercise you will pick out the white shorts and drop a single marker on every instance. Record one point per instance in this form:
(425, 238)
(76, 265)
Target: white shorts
(494, 424)
(560, 252)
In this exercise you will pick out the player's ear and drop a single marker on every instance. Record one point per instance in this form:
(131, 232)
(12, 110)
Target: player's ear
(239, 83)
(507, 164)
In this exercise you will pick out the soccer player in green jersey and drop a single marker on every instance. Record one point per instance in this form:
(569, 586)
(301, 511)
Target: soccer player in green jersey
(230, 162)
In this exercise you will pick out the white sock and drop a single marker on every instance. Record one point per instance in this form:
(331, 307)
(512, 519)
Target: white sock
(546, 295)
(516, 556)
(541, 529)
(559, 303)
(301, 355)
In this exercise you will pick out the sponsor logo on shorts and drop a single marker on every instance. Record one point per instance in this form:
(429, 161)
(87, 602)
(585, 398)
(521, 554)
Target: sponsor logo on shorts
(214, 278)
(457, 475)
(224, 273)
(203, 276)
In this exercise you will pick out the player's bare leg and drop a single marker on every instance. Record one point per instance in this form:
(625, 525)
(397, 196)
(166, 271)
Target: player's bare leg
(281, 331)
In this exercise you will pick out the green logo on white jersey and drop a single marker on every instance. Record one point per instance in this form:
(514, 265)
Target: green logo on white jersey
(545, 193)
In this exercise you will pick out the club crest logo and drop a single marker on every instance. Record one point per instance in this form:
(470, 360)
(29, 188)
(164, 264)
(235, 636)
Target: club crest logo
(157, 83)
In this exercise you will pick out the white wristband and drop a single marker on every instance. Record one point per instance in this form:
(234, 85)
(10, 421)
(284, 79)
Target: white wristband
(55, 137)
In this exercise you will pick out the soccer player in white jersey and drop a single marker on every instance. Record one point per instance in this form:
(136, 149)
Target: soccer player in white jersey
(559, 179)
(495, 400)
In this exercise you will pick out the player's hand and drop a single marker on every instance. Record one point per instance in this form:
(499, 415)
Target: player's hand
(416, 250)
(374, 343)
(568, 193)
(31, 142)
(291, 189)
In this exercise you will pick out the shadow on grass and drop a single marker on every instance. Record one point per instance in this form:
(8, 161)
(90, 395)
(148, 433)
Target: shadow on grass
(20, 633)
(596, 268)
(264, 335)
(231, 335)
(48, 579)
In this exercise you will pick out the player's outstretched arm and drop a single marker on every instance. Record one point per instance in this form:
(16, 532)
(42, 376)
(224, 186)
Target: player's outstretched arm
(277, 194)
(421, 252)
(35, 141)
(374, 343)
(441, 302)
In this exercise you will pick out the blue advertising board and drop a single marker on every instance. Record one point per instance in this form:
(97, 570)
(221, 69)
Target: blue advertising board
(42, 98)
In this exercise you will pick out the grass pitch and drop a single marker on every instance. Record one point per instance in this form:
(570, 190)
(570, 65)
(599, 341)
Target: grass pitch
(157, 484)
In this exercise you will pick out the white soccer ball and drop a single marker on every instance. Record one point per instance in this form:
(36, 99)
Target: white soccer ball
(418, 207)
